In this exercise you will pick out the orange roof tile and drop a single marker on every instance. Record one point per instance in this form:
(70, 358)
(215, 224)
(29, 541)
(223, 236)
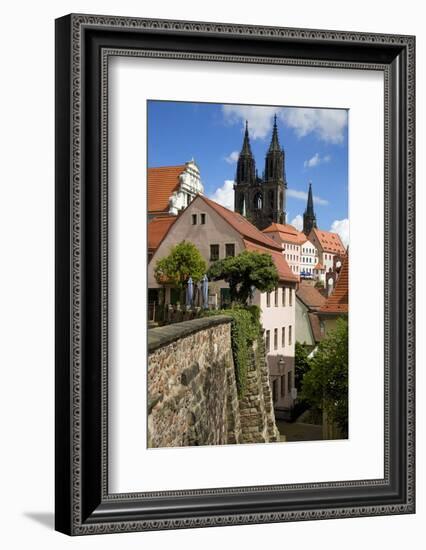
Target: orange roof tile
(162, 183)
(319, 266)
(284, 272)
(330, 242)
(157, 230)
(310, 296)
(287, 233)
(242, 225)
(338, 300)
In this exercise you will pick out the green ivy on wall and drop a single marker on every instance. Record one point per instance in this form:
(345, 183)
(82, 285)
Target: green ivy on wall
(245, 330)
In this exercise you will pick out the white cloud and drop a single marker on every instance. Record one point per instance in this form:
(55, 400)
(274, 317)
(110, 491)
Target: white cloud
(303, 195)
(297, 222)
(232, 157)
(315, 160)
(327, 124)
(225, 195)
(260, 119)
(342, 228)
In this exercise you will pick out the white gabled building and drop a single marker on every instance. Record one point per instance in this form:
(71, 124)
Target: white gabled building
(172, 188)
(218, 232)
(331, 250)
(308, 260)
(291, 241)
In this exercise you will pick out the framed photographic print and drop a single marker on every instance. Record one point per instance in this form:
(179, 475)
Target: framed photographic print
(234, 274)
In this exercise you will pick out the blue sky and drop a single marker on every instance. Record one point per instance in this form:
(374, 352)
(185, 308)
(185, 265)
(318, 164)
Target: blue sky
(315, 142)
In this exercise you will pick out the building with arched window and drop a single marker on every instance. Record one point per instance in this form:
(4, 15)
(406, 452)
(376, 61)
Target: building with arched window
(261, 200)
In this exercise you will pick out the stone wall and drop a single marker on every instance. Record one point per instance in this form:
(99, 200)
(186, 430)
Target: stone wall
(192, 391)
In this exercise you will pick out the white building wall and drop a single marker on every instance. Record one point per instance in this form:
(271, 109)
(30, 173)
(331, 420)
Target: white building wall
(309, 257)
(291, 253)
(328, 261)
(279, 354)
(190, 186)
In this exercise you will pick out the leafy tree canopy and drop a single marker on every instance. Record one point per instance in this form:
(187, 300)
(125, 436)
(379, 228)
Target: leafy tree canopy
(325, 384)
(183, 262)
(301, 364)
(245, 271)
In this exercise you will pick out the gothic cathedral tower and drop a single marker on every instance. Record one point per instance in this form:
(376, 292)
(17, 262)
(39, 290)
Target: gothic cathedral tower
(261, 200)
(309, 218)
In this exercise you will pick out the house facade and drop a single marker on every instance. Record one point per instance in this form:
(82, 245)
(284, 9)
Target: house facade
(291, 241)
(218, 232)
(172, 188)
(308, 260)
(330, 248)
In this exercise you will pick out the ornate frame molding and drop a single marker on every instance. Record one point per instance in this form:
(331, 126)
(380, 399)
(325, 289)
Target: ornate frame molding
(86, 507)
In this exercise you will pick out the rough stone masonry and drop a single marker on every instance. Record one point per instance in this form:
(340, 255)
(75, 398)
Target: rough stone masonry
(192, 390)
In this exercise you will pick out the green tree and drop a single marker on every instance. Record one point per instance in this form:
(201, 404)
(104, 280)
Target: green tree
(184, 261)
(325, 384)
(245, 271)
(301, 364)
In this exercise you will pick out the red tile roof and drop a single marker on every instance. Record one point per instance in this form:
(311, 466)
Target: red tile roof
(284, 272)
(287, 233)
(319, 266)
(329, 242)
(310, 296)
(242, 225)
(254, 239)
(338, 300)
(157, 230)
(162, 183)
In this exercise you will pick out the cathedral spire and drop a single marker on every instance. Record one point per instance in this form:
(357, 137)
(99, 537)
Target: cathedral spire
(274, 162)
(246, 149)
(309, 218)
(275, 143)
(246, 167)
(310, 205)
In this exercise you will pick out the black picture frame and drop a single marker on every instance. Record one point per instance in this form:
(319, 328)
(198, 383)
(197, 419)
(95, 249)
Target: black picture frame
(83, 504)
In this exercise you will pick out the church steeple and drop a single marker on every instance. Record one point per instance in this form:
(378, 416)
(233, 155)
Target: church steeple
(261, 200)
(246, 167)
(275, 142)
(309, 218)
(246, 149)
(274, 162)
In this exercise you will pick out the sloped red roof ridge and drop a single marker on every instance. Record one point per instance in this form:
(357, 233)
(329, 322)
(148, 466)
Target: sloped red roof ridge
(284, 271)
(330, 242)
(254, 239)
(162, 182)
(338, 301)
(157, 230)
(310, 296)
(287, 232)
(242, 225)
(281, 228)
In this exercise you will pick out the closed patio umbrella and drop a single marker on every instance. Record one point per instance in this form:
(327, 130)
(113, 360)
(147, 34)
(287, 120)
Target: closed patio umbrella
(189, 292)
(205, 290)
